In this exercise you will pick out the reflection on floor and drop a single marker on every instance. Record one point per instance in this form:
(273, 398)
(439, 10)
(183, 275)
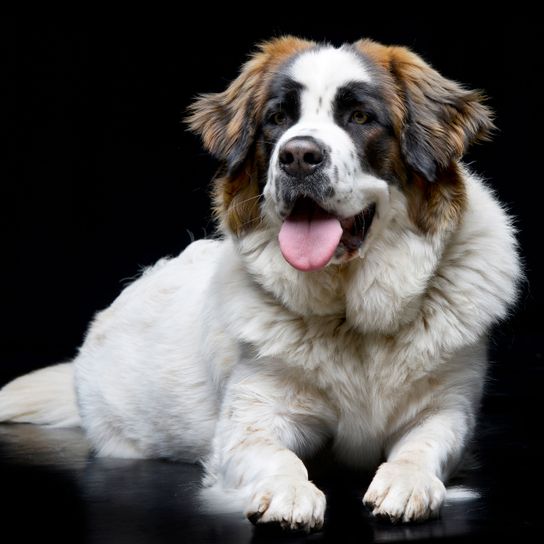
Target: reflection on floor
(52, 487)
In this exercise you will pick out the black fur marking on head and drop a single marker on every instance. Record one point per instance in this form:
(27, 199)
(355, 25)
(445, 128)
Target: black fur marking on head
(374, 139)
(284, 99)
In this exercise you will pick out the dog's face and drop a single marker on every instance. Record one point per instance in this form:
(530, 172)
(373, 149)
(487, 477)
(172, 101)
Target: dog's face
(314, 137)
(328, 136)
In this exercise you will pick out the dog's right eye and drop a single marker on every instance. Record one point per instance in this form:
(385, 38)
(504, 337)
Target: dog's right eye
(278, 118)
(359, 117)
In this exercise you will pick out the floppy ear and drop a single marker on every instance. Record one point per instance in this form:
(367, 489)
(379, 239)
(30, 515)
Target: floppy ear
(440, 118)
(227, 121)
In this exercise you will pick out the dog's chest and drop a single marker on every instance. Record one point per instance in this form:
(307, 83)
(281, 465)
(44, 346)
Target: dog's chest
(325, 359)
(365, 390)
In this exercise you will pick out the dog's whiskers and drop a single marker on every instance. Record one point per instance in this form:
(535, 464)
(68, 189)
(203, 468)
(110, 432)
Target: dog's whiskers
(248, 199)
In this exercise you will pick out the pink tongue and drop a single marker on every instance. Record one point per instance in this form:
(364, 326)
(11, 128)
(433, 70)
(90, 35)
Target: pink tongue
(309, 237)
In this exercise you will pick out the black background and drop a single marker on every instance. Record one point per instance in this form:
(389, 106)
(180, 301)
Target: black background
(104, 178)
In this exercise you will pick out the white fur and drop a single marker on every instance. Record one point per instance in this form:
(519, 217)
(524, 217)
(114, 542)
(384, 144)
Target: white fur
(229, 356)
(45, 397)
(460, 493)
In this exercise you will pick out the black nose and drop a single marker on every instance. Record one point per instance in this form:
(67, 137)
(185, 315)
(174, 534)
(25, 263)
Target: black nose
(299, 157)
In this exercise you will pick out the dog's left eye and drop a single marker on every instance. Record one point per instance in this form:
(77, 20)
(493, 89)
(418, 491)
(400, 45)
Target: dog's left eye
(278, 118)
(359, 117)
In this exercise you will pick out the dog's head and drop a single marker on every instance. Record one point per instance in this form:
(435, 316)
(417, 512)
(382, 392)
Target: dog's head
(313, 138)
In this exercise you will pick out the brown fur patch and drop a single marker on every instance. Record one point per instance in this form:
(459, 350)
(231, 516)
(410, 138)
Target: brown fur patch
(227, 122)
(236, 200)
(437, 206)
(436, 120)
(447, 117)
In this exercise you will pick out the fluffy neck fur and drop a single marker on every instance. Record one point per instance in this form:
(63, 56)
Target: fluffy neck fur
(390, 291)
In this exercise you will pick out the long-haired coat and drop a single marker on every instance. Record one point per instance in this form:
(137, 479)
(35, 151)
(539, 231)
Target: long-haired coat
(347, 301)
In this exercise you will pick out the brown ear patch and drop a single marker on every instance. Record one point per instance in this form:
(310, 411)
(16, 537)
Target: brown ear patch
(436, 120)
(227, 123)
(439, 118)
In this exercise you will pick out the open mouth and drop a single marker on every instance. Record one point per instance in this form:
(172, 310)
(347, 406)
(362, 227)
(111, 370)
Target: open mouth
(310, 236)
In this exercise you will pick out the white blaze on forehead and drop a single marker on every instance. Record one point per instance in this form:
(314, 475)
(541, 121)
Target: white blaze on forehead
(322, 72)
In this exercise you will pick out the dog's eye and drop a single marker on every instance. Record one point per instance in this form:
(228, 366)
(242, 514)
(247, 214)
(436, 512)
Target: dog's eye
(278, 118)
(359, 117)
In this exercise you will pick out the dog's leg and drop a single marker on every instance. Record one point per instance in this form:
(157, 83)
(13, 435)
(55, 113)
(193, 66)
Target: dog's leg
(409, 485)
(263, 423)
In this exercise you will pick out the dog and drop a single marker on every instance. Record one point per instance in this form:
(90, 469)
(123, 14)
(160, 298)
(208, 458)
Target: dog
(347, 300)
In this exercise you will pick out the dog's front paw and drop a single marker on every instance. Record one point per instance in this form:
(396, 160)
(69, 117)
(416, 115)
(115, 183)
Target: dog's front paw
(293, 504)
(403, 492)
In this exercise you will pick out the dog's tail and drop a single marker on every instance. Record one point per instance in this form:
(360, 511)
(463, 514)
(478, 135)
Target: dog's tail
(43, 397)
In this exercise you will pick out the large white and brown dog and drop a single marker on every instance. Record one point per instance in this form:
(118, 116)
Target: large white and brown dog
(347, 301)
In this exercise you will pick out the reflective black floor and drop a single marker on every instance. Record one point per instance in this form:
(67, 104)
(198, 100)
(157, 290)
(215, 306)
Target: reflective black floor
(52, 488)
